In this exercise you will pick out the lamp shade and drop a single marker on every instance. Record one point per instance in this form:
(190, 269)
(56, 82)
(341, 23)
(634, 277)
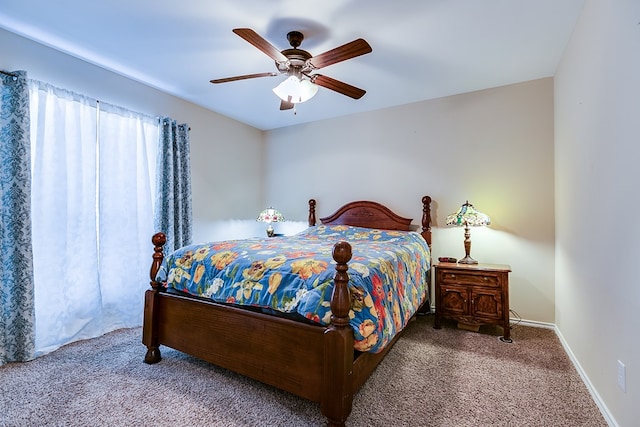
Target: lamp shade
(270, 215)
(295, 90)
(467, 215)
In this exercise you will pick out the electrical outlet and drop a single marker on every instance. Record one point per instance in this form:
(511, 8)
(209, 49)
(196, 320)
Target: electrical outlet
(622, 374)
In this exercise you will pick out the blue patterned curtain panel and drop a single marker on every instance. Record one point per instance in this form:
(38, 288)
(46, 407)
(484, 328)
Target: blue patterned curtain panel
(17, 318)
(173, 214)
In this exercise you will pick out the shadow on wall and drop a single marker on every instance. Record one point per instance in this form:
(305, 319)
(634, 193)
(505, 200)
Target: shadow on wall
(234, 229)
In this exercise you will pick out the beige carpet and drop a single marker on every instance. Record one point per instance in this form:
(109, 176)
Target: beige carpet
(446, 377)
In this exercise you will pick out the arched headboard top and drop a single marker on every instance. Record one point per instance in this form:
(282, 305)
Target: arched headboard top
(368, 214)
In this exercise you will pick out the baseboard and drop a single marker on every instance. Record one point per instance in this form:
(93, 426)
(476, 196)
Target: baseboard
(532, 323)
(585, 379)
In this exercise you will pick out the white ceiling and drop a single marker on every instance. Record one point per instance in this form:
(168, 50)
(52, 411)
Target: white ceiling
(422, 49)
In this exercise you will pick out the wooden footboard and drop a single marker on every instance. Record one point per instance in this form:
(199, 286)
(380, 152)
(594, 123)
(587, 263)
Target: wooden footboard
(313, 362)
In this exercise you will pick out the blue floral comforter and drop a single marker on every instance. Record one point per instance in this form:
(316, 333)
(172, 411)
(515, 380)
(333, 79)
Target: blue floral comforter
(387, 276)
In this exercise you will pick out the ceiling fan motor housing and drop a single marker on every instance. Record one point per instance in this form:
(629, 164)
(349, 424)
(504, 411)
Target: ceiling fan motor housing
(297, 58)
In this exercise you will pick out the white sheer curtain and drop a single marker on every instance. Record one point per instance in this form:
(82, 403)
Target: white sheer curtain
(63, 194)
(128, 146)
(92, 210)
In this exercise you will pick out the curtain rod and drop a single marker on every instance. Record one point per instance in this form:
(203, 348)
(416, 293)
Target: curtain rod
(6, 73)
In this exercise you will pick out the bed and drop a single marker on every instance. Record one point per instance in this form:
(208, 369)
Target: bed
(315, 361)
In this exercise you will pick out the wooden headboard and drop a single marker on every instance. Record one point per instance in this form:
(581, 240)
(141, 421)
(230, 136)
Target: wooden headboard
(374, 215)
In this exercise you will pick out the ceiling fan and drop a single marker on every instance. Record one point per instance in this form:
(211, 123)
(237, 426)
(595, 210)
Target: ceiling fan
(301, 65)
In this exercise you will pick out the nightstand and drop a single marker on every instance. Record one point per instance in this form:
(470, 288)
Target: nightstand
(473, 294)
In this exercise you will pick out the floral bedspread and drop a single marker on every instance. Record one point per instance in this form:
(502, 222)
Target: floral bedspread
(387, 276)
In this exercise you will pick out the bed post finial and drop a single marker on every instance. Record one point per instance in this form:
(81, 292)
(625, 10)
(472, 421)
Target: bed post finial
(158, 240)
(312, 212)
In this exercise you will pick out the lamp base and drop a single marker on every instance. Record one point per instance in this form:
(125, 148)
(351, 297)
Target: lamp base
(467, 260)
(467, 247)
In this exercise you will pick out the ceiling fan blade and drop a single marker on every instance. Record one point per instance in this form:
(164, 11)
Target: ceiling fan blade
(285, 105)
(246, 76)
(341, 53)
(338, 86)
(255, 39)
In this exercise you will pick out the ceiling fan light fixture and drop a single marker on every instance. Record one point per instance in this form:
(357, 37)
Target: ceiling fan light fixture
(295, 90)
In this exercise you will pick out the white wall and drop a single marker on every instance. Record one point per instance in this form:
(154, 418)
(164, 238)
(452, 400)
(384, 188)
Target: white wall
(597, 150)
(493, 147)
(226, 156)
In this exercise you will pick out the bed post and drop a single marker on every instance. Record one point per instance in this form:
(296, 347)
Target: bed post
(338, 345)
(149, 329)
(426, 219)
(312, 212)
(426, 234)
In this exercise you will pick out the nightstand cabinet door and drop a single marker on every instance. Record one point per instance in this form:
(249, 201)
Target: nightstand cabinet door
(473, 295)
(486, 303)
(454, 300)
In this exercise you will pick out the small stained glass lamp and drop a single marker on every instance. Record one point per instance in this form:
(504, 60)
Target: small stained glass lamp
(467, 216)
(270, 215)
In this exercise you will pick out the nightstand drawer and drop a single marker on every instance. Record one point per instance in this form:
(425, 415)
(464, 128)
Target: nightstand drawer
(470, 279)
